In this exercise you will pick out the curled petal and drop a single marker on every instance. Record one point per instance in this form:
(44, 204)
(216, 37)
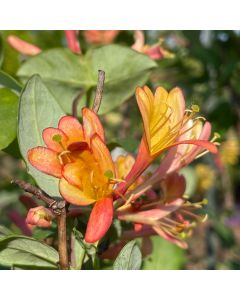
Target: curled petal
(102, 155)
(45, 160)
(91, 124)
(100, 220)
(142, 161)
(73, 194)
(150, 216)
(176, 100)
(55, 139)
(169, 237)
(72, 128)
(72, 41)
(201, 143)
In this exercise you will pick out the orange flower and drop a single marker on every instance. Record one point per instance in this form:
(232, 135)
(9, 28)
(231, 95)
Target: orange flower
(167, 124)
(78, 156)
(100, 36)
(169, 215)
(155, 51)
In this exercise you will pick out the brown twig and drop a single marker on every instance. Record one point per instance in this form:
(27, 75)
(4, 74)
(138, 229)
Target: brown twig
(99, 91)
(62, 240)
(76, 102)
(55, 205)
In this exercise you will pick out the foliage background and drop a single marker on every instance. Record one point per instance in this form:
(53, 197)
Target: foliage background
(206, 66)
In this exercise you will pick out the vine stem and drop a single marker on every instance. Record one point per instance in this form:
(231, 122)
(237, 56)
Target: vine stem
(62, 240)
(99, 91)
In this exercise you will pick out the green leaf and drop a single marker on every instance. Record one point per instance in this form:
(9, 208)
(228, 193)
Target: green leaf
(191, 180)
(130, 258)
(1, 51)
(78, 250)
(65, 73)
(125, 69)
(165, 256)
(25, 252)
(8, 117)
(8, 81)
(38, 109)
(4, 231)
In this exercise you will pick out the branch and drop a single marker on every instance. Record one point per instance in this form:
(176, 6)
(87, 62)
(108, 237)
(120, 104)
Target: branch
(76, 102)
(60, 210)
(62, 240)
(56, 206)
(99, 91)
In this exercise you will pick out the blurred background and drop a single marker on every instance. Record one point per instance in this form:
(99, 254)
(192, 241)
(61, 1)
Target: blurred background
(206, 65)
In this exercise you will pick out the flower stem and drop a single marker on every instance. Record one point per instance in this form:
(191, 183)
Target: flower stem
(62, 240)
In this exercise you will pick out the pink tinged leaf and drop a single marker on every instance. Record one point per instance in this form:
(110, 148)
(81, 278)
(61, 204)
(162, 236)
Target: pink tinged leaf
(22, 46)
(72, 41)
(55, 139)
(45, 160)
(100, 220)
(169, 237)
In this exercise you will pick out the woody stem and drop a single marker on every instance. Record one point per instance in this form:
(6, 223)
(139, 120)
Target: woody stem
(99, 91)
(62, 240)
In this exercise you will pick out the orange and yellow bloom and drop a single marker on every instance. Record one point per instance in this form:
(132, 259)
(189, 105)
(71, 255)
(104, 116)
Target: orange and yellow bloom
(77, 154)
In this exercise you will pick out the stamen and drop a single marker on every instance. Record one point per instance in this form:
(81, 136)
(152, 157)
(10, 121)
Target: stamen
(66, 152)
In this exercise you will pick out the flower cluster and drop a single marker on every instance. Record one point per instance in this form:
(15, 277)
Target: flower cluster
(77, 154)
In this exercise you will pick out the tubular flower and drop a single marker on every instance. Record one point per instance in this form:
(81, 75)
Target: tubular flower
(78, 156)
(22, 46)
(170, 215)
(167, 124)
(155, 51)
(103, 37)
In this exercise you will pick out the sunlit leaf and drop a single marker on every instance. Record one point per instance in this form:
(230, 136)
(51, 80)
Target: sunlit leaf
(165, 256)
(25, 252)
(130, 258)
(64, 71)
(8, 117)
(9, 82)
(38, 109)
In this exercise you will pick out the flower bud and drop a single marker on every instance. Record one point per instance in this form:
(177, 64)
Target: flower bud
(39, 216)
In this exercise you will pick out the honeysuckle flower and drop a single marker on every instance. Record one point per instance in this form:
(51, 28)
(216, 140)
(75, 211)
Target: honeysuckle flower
(167, 124)
(103, 37)
(155, 51)
(22, 46)
(40, 216)
(72, 40)
(170, 216)
(78, 156)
